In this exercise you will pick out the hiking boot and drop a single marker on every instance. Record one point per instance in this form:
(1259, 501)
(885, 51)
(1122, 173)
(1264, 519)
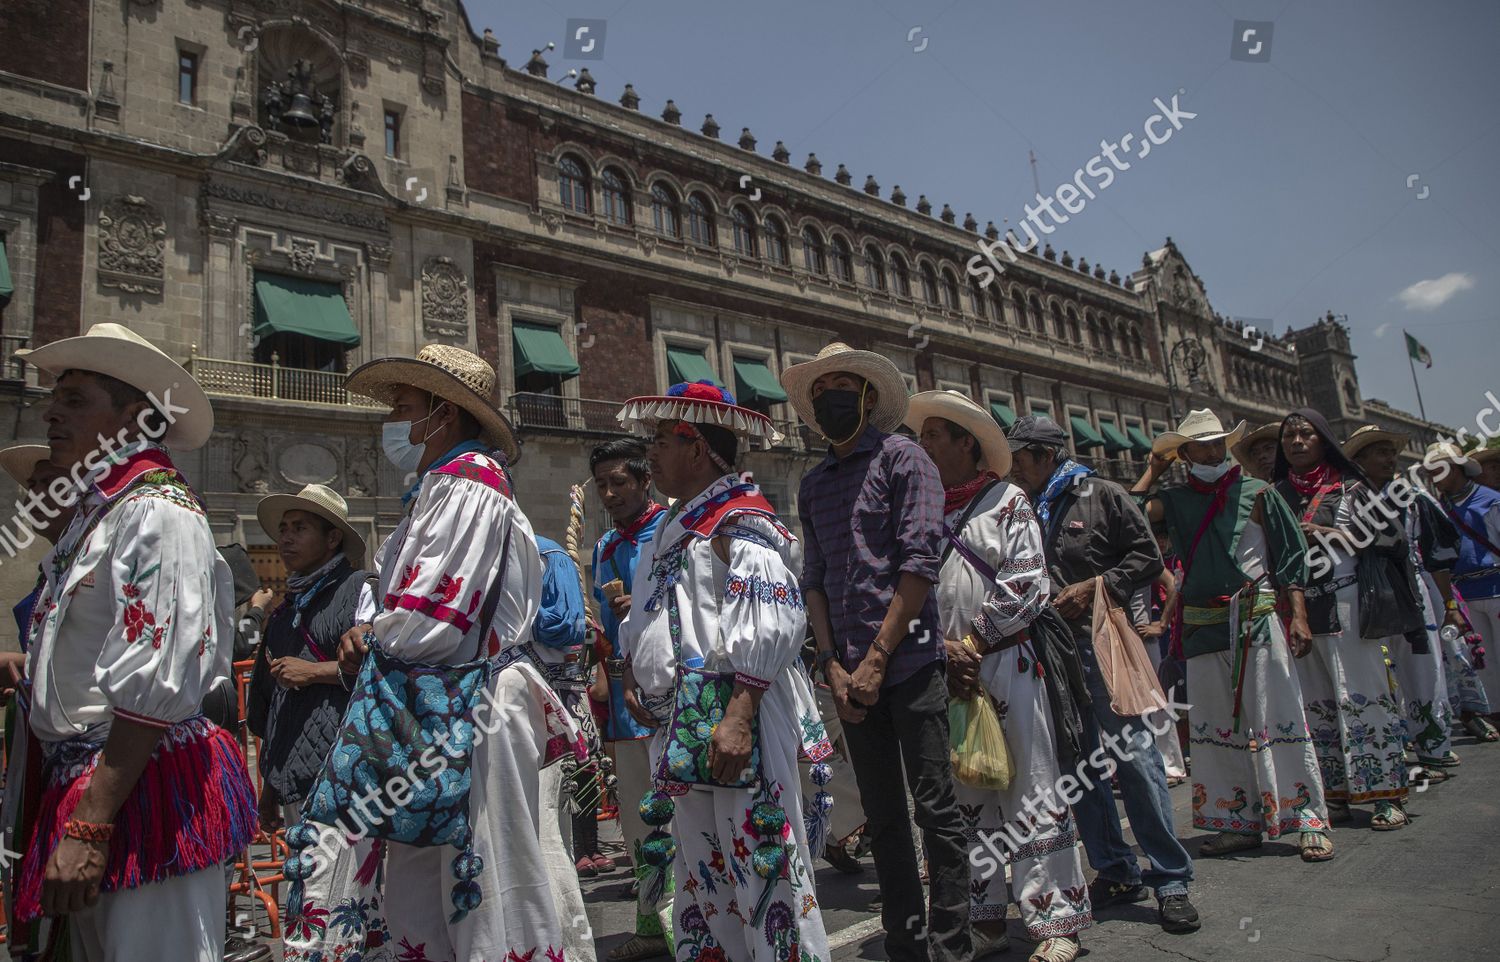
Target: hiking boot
(1178, 914)
(1104, 893)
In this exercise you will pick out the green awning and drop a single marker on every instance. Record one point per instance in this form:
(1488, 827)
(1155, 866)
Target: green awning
(7, 288)
(754, 383)
(1138, 440)
(539, 349)
(686, 364)
(1084, 435)
(296, 305)
(1114, 441)
(1003, 414)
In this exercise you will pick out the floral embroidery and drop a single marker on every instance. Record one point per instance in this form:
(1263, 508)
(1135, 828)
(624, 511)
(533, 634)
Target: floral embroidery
(756, 588)
(306, 919)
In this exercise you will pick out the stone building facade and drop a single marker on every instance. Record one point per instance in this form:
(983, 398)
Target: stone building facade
(276, 191)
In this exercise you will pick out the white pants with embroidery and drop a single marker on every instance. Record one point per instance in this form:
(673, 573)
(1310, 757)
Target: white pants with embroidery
(179, 920)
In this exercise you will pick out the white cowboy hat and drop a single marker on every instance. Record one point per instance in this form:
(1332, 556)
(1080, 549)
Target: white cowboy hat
(1368, 435)
(120, 353)
(1266, 432)
(317, 499)
(20, 460)
(450, 373)
(1199, 425)
(957, 407)
(890, 387)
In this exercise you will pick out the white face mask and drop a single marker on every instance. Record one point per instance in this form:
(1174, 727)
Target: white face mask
(1209, 473)
(395, 441)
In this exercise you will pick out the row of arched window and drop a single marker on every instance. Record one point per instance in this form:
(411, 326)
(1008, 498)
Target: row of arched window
(1253, 379)
(766, 238)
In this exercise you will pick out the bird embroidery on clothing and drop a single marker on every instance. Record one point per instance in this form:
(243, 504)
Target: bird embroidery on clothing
(1236, 805)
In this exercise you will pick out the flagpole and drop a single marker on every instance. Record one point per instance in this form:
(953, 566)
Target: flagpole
(1413, 365)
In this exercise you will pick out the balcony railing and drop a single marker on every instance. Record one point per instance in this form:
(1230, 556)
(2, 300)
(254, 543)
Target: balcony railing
(549, 411)
(276, 381)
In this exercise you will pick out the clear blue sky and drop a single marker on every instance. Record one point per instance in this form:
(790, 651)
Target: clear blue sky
(1288, 192)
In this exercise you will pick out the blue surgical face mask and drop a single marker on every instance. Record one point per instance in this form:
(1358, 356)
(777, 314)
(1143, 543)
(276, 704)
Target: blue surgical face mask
(395, 441)
(1209, 473)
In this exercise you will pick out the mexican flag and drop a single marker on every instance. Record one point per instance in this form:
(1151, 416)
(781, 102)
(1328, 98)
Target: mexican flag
(1417, 351)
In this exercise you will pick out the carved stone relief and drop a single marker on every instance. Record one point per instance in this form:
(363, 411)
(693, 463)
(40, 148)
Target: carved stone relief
(445, 298)
(132, 237)
(250, 463)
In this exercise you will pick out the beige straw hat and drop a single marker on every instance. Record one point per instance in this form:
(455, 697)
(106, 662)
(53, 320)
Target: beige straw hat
(1199, 425)
(957, 407)
(1266, 432)
(124, 355)
(450, 373)
(20, 460)
(317, 499)
(890, 387)
(1368, 435)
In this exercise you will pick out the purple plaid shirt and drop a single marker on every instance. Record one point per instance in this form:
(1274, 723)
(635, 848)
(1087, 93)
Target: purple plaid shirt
(865, 521)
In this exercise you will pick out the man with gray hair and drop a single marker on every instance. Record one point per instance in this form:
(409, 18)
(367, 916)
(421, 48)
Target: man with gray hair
(1093, 531)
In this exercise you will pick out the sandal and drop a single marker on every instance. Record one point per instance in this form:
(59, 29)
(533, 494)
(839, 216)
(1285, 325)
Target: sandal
(1339, 813)
(1227, 843)
(1450, 760)
(639, 947)
(1421, 773)
(1064, 948)
(1481, 729)
(1388, 817)
(1316, 847)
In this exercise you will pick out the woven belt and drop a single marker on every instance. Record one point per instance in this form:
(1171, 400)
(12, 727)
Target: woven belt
(614, 667)
(1265, 603)
(1318, 591)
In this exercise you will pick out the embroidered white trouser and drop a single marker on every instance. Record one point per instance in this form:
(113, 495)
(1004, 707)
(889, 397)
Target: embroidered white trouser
(1485, 613)
(557, 851)
(179, 920)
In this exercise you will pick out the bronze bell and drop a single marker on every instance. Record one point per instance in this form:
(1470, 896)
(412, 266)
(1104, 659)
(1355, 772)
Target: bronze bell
(300, 113)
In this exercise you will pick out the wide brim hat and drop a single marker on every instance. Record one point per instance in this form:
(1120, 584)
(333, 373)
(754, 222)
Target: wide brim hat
(119, 352)
(1368, 435)
(317, 499)
(1485, 455)
(700, 403)
(1199, 425)
(1266, 432)
(20, 460)
(447, 372)
(889, 385)
(957, 407)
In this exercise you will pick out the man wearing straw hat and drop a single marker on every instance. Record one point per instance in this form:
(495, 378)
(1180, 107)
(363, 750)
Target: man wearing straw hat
(872, 528)
(1256, 451)
(714, 640)
(1433, 542)
(296, 698)
(463, 555)
(993, 586)
(1255, 773)
(132, 628)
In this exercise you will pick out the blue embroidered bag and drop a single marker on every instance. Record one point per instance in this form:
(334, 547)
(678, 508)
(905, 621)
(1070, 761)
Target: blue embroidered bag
(407, 738)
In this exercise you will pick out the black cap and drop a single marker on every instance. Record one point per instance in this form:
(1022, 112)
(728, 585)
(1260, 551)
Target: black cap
(1035, 429)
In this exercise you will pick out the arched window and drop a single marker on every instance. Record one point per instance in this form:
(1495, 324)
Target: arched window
(616, 196)
(1074, 334)
(776, 243)
(1092, 323)
(929, 285)
(841, 259)
(744, 232)
(874, 268)
(572, 185)
(813, 257)
(1058, 331)
(1107, 337)
(665, 216)
(900, 275)
(701, 221)
(997, 305)
(950, 291)
(979, 303)
(1137, 344)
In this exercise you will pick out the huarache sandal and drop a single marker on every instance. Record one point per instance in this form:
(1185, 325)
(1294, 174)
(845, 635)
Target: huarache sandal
(1058, 949)
(1450, 760)
(1388, 817)
(1227, 843)
(1481, 729)
(640, 947)
(1316, 847)
(1431, 776)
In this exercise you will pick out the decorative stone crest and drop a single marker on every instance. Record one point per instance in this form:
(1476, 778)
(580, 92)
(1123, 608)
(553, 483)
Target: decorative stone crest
(445, 298)
(132, 237)
(303, 255)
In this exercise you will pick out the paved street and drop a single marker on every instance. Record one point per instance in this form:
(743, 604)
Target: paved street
(1426, 892)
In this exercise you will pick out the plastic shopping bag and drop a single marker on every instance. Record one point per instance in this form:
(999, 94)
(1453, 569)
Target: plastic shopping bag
(980, 758)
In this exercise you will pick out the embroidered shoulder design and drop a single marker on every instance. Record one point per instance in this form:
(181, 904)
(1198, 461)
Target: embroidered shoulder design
(473, 466)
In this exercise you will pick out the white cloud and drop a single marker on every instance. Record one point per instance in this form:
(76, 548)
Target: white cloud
(1433, 294)
(1380, 331)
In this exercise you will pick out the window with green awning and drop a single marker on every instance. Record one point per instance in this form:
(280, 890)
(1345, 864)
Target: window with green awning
(1003, 414)
(1114, 441)
(1084, 435)
(754, 384)
(1138, 440)
(301, 306)
(539, 349)
(686, 364)
(7, 287)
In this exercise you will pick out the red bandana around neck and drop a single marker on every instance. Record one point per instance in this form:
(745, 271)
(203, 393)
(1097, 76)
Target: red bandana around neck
(1320, 478)
(632, 531)
(958, 496)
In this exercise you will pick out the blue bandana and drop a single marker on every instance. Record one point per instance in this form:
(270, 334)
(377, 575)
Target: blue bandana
(1064, 474)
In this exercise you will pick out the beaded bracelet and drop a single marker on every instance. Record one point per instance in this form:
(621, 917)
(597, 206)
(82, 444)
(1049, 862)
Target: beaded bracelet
(88, 831)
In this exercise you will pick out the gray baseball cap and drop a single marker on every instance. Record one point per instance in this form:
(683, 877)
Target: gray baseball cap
(1035, 429)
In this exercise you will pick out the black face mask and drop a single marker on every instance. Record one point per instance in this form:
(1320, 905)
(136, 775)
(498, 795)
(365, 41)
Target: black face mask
(840, 414)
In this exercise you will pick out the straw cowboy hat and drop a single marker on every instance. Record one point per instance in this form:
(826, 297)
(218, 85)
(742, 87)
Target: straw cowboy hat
(317, 499)
(957, 407)
(1199, 425)
(1368, 435)
(20, 460)
(890, 387)
(450, 373)
(1448, 451)
(124, 355)
(1266, 432)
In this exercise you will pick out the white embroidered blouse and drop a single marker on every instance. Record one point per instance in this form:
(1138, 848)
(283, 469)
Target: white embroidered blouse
(1003, 531)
